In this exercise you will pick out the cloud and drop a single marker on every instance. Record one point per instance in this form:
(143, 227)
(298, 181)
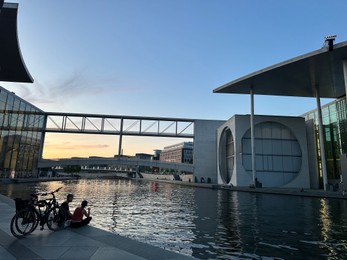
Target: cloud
(62, 90)
(78, 84)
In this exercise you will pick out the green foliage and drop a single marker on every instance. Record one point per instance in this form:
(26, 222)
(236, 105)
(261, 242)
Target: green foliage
(72, 168)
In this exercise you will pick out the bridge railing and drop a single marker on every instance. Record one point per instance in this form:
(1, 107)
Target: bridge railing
(46, 163)
(119, 125)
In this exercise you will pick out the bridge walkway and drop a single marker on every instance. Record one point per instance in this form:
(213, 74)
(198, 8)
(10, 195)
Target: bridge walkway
(46, 163)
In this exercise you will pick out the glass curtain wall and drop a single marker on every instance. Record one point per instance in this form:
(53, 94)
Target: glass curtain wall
(335, 135)
(21, 128)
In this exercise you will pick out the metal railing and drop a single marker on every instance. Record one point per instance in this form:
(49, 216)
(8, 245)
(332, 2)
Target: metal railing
(119, 125)
(46, 163)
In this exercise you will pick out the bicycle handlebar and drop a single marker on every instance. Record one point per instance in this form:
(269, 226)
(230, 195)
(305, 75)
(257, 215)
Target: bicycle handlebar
(52, 193)
(57, 189)
(45, 194)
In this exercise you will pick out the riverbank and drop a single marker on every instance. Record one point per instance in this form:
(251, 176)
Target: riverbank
(60, 178)
(32, 180)
(278, 191)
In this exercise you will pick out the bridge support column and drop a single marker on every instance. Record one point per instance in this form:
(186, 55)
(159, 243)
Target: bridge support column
(120, 138)
(42, 141)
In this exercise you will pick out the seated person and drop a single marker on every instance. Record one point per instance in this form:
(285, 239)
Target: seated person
(77, 217)
(65, 206)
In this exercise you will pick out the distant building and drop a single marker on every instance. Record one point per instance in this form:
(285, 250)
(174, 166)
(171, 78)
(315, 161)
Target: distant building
(95, 166)
(144, 156)
(178, 153)
(156, 155)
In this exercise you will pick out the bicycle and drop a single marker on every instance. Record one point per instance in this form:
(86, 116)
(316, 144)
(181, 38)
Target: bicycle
(31, 213)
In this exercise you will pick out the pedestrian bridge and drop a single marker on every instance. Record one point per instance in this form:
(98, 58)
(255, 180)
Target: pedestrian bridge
(115, 161)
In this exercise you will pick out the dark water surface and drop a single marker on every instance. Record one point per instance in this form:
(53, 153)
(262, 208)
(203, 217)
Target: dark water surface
(206, 223)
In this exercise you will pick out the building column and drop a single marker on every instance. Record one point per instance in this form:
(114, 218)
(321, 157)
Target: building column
(120, 138)
(321, 139)
(252, 137)
(344, 63)
(43, 136)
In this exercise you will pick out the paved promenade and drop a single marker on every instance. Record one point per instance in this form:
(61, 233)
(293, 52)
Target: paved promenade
(83, 243)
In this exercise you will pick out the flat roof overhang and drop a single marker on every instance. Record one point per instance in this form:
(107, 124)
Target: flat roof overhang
(12, 67)
(298, 76)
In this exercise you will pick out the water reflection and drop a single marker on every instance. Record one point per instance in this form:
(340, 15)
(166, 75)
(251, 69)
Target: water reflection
(209, 224)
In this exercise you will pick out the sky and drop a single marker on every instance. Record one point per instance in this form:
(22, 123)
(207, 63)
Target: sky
(161, 58)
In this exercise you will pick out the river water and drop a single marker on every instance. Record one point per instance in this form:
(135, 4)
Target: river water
(206, 223)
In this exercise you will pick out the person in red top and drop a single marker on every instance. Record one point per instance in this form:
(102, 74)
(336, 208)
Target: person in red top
(77, 217)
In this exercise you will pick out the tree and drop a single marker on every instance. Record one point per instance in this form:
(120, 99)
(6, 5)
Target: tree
(72, 168)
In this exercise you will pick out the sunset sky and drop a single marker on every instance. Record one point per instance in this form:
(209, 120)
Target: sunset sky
(161, 58)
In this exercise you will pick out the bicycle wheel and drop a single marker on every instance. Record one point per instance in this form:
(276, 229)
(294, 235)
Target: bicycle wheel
(56, 218)
(23, 223)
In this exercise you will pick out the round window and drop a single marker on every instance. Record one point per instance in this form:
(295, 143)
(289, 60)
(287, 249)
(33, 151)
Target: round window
(226, 155)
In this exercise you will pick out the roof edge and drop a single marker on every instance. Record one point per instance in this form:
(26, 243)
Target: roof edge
(280, 64)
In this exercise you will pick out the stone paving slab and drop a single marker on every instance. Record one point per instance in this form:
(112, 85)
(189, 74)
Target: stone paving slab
(106, 253)
(83, 243)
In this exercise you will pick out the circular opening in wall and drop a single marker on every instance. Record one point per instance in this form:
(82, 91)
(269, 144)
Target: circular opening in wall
(226, 155)
(278, 155)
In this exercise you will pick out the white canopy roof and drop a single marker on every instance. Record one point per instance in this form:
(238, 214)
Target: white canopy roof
(297, 76)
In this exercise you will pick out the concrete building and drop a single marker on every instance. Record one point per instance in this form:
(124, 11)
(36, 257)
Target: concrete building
(205, 150)
(280, 147)
(320, 74)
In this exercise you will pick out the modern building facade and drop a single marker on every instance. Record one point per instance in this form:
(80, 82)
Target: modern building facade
(21, 131)
(334, 116)
(21, 124)
(280, 148)
(320, 74)
(178, 153)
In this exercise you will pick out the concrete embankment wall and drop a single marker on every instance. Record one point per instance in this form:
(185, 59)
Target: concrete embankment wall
(168, 177)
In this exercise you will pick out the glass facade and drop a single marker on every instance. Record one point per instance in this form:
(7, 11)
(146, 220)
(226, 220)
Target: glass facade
(334, 117)
(21, 132)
